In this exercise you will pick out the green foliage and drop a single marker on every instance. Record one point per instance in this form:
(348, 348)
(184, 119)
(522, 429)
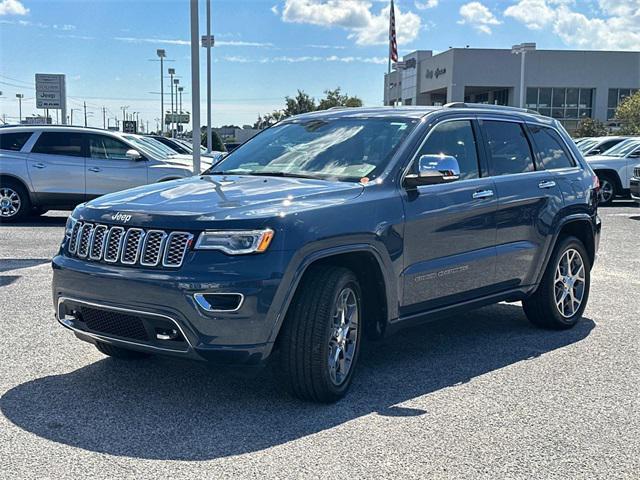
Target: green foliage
(216, 142)
(589, 127)
(336, 99)
(628, 114)
(301, 103)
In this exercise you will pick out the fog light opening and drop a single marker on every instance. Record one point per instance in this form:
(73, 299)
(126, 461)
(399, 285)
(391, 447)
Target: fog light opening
(219, 302)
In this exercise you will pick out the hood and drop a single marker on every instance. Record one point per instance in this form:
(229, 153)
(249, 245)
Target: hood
(218, 198)
(602, 158)
(185, 161)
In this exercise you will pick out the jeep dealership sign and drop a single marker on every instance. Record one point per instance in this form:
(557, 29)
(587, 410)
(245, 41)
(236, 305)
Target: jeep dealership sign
(51, 92)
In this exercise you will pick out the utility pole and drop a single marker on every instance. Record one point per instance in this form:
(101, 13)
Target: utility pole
(124, 112)
(20, 96)
(104, 117)
(176, 82)
(85, 113)
(172, 72)
(180, 89)
(195, 86)
(209, 45)
(161, 53)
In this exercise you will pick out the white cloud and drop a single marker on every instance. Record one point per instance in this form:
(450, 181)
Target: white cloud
(12, 7)
(65, 27)
(274, 10)
(308, 58)
(618, 28)
(355, 16)
(478, 16)
(169, 41)
(424, 5)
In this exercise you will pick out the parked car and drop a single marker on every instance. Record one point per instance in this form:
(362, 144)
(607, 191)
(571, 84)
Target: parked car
(332, 226)
(634, 184)
(46, 167)
(599, 145)
(614, 169)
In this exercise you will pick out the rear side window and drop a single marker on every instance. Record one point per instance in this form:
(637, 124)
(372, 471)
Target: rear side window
(508, 147)
(59, 143)
(550, 148)
(14, 141)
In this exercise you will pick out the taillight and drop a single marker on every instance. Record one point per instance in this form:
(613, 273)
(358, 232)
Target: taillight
(595, 183)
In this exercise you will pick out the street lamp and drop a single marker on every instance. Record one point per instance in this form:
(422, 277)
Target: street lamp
(522, 49)
(208, 42)
(161, 54)
(176, 82)
(20, 96)
(180, 90)
(172, 72)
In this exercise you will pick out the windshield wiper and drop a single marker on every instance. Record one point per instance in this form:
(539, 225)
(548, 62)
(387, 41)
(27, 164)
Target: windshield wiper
(283, 174)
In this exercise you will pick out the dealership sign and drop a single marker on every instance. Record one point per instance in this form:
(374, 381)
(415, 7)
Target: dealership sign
(129, 126)
(436, 73)
(50, 91)
(176, 118)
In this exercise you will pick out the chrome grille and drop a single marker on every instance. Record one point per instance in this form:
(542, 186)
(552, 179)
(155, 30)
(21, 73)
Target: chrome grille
(636, 172)
(177, 244)
(132, 246)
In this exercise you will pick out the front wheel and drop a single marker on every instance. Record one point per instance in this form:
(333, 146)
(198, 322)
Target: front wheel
(320, 341)
(14, 201)
(562, 295)
(607, 190)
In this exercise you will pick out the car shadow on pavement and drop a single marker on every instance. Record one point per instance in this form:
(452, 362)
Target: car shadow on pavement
(174, 409)
(8, 264)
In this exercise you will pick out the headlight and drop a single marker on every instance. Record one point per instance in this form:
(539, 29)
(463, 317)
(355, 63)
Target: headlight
(68, 228)
(235, 242)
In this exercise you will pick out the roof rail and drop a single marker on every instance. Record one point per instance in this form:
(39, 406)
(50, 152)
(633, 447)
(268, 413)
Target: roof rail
(489, 106)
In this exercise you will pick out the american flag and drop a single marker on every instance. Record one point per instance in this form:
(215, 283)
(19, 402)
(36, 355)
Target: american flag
(393, 43)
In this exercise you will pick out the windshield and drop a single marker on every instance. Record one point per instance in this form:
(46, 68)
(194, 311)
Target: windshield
(153, 143)
(146, 147)
(342, 148)
(586, 145)
(623, 148)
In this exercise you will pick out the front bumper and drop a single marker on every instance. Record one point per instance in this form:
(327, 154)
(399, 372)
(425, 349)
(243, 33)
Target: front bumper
(635, 188)
(162, 305)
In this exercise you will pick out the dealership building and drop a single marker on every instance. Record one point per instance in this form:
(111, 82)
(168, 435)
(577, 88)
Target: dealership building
(565, 84)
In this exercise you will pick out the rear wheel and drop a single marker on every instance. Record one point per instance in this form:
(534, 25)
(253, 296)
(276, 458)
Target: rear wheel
(121, 353)
(14, 201)
(607, 189)
(562, 295)
(320, 341)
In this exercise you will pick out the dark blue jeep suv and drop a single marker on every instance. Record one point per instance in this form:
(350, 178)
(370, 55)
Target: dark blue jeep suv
(334, 226)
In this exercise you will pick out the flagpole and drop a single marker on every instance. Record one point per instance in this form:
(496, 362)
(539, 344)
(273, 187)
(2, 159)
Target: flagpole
(389, 40)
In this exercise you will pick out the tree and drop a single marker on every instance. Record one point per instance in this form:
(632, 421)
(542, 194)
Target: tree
(628, 114)
(301, 103)
(216, 142)
(269, 119)
(336, 99)
(589, 127)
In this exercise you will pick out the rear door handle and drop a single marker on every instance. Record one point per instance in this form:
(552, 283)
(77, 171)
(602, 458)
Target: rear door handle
(483, 194)
(547, 184)
(94, 169)
(39, 165)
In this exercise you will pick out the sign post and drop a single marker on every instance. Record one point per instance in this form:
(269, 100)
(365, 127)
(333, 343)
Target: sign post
(51, 92)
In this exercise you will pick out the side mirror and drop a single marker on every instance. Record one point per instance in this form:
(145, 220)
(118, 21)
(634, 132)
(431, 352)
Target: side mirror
(434, 169)
(595, 151)
(635, 154)
(134, 155)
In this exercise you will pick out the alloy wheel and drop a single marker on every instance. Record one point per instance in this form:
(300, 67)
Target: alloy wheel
(343, 336)
(569, 283)
(9, 202)
(606, 191)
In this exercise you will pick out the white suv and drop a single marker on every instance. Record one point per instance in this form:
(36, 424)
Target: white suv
(615, 168)
(43, 168)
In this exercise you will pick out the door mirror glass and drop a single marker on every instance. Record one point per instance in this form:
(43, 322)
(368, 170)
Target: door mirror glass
(434, 169)
(134, 155)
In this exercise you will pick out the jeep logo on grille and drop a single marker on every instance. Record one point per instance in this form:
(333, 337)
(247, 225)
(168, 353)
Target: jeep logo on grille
(121, 217)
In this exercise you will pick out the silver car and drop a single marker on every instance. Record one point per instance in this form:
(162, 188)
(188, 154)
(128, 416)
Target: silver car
(58, 167)
(615, 169)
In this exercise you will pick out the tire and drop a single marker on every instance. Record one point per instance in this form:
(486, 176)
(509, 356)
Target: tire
(541, 308)
(608, 189)
(15, 204)
(314, 330)
(120, 353)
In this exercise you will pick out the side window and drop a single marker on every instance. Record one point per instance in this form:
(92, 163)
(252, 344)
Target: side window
(607, 145)
(508, 147)
(107, 148)
(551, 151)
(14, 141)
(59, 143)
(455, 138)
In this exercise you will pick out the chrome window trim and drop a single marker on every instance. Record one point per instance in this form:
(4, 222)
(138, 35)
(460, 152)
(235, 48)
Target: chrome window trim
(160, 248)
(97, 336)
(111, 230)
(92, 240)
(202, 302)
(168, 246)
(125, 244)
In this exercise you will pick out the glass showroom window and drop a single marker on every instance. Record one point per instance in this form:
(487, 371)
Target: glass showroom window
(566, 104)
(616, 97)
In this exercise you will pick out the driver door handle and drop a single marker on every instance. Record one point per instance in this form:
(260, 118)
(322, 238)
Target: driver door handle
(547, 184)
(94, 169)
(39, 165)
(483, 194)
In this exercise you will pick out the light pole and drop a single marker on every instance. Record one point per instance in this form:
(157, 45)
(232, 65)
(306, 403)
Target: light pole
(522, 50)
(162, 54)
(180, 90)
(195, 86)
(209, 44)
(172, 72)
(72, 110)
(124, 113)
(176, 82)
(20, 96)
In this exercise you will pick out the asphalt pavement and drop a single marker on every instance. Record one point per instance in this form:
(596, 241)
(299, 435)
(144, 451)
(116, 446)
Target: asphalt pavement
(483, 395)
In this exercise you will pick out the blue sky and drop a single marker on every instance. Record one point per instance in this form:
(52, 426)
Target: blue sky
(268, 49)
